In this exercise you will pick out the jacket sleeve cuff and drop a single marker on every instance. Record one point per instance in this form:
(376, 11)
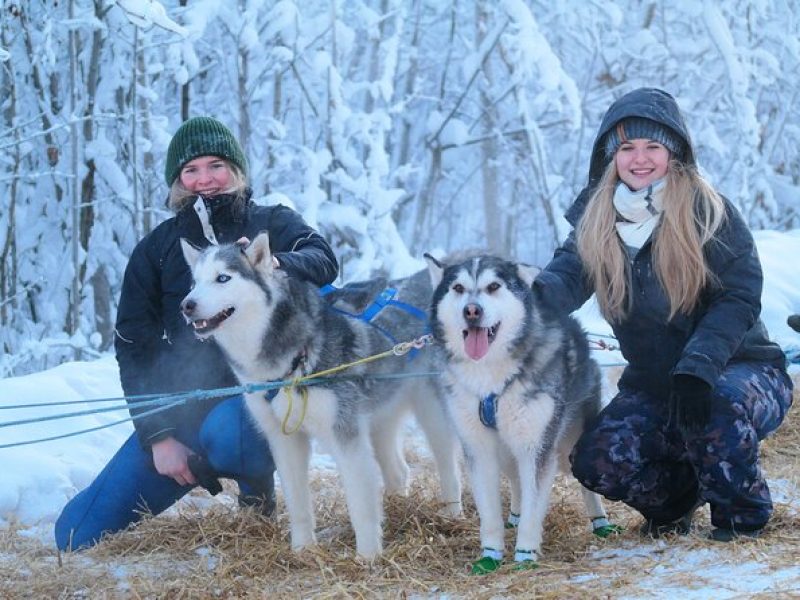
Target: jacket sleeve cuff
(148, 439)
(700, 366)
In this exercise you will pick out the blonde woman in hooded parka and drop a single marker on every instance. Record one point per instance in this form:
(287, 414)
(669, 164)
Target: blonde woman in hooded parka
(677, 275)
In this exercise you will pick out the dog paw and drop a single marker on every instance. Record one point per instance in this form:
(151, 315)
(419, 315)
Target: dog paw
(525, 565)
(513, 521)
(485, 565)
(301, 540)
(606, 531)
(399, 491)
(451, 510)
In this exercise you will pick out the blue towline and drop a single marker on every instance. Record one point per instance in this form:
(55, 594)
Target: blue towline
(162, 402)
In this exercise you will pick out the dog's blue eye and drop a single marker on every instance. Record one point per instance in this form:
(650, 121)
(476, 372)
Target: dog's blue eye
(458, 288)
(222, 278)
(493, 287)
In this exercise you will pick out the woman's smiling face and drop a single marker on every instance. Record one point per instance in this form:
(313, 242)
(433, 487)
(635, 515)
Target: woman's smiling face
(640, 162)
(206, 175)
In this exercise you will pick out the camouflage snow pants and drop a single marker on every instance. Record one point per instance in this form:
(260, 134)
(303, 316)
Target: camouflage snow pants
(631, 452)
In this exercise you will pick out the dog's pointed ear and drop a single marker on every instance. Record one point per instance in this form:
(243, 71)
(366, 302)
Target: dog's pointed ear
(435, 269)
(190, 253)
(527, 273)
(258, 253)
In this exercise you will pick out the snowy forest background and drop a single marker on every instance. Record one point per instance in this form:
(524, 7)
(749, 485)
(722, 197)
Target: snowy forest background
(394, 126)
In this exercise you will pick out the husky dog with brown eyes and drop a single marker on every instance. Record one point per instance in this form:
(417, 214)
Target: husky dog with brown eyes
(519, 385)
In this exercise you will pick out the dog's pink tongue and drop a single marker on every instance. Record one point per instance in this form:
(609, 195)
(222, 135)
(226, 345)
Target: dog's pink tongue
(476, 344)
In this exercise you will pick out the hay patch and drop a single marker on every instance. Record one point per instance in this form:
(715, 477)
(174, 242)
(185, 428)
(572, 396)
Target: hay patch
(211, 549)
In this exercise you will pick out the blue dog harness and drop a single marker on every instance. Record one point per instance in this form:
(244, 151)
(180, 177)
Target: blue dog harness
(384, 299)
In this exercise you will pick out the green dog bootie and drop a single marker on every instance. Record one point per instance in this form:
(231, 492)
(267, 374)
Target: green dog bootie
(525, 560)
(513, 521)
(488, 563)
(602, 528)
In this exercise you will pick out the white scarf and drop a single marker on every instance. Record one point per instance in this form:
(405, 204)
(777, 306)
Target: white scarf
(641, 211)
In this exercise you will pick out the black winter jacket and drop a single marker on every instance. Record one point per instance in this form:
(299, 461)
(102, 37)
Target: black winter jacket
(156, 350)
(724, 327)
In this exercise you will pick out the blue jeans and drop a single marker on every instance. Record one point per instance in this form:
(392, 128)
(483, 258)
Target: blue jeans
(129, 485)
(632, 453)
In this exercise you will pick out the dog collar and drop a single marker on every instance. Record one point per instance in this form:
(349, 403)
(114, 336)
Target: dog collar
(298, 362)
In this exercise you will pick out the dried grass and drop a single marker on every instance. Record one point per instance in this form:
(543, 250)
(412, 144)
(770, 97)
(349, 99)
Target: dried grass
(222, 552)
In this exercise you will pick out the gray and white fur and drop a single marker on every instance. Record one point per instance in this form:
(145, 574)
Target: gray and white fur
(275, 327)
(496, 338)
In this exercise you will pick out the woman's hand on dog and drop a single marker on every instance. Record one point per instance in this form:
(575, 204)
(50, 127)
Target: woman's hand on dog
(245, 241)
(170, 458)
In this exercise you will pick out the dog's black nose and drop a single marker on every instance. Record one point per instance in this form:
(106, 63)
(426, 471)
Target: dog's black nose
(473, 313)
(188, 306)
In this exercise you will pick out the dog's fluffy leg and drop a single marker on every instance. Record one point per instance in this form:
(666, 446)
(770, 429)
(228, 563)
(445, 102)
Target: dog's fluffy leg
(536, 487)
(485, 477)
(524, 428)
(444, 446)
(512, 473)
(361, 479)
(481, 449)
(388, 444)
(292, 454)
(591, 500)
(593, 503)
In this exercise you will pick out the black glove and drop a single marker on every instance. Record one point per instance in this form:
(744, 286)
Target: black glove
(794, 322)
(206, 476)
(690, 403)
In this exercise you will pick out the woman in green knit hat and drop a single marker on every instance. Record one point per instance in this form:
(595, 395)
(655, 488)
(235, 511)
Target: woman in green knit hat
(188, 444)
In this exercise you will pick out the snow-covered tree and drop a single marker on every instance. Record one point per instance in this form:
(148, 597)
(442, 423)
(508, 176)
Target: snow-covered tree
(394, 126)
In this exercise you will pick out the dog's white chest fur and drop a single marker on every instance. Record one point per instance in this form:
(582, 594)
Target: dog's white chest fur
(518, 410)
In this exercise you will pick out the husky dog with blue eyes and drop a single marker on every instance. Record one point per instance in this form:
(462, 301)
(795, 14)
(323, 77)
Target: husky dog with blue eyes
(274, 327)
(519, 385)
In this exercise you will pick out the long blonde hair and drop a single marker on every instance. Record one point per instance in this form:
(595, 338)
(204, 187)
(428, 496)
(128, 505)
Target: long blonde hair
(693, 212)
(179, 196)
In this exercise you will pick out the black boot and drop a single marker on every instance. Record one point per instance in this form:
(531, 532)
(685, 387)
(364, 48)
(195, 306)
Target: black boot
(206, 476)
(681, 526)
(263, 505)
(721, 534)
(260, 496)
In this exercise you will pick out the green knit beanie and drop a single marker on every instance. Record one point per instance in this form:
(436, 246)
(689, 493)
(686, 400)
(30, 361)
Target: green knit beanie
(202, 136)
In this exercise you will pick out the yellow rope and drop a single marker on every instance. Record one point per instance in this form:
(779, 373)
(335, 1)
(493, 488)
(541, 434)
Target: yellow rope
(397, 350)
(290, 398)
